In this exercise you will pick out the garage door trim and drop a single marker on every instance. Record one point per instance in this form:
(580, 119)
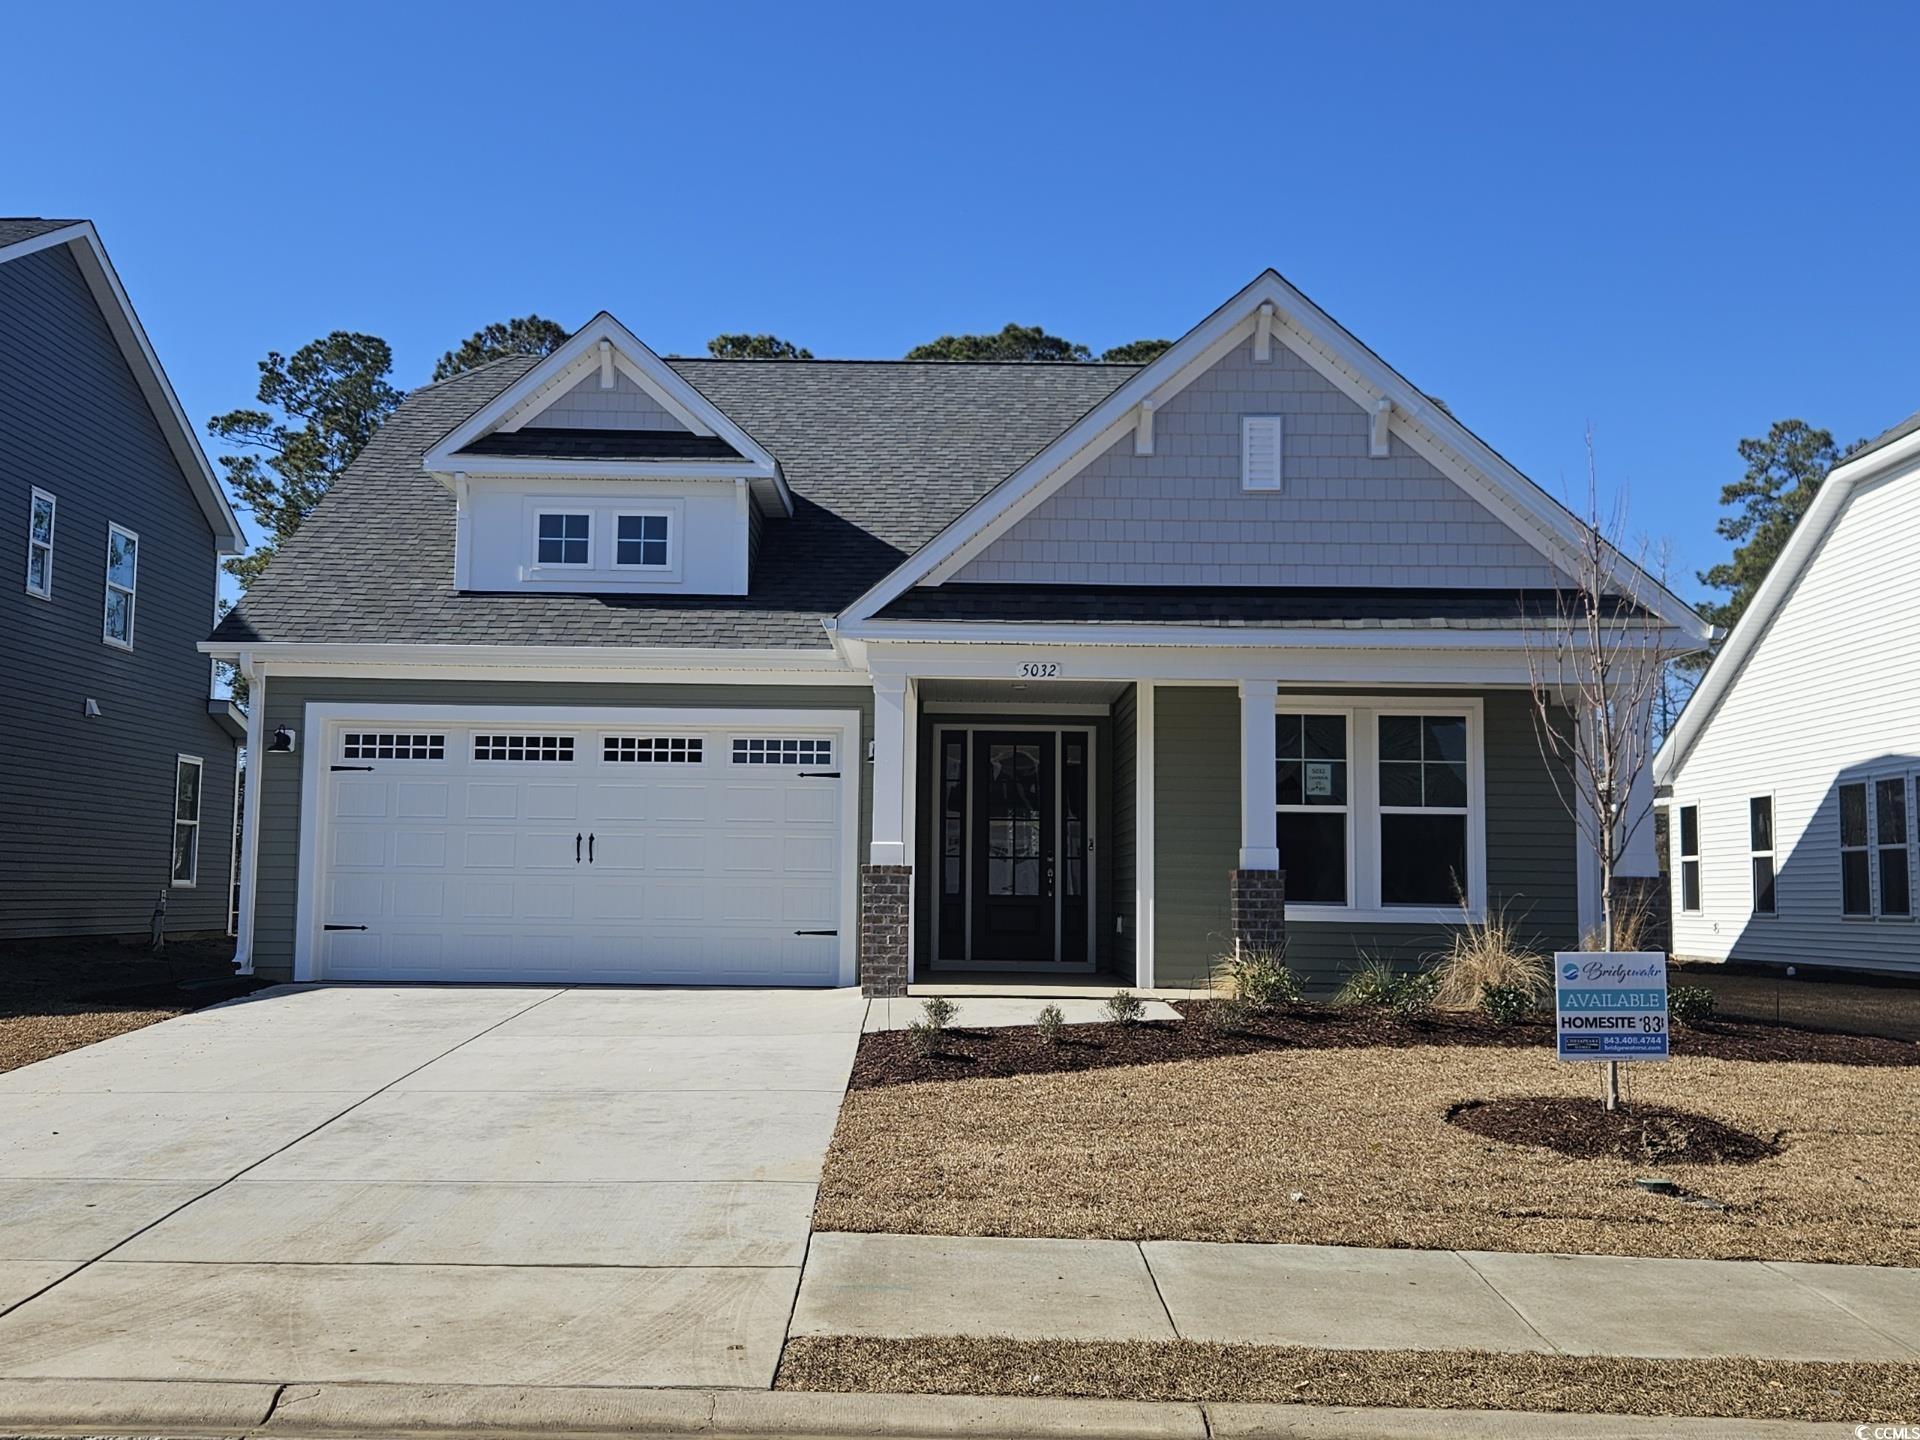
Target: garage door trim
(324, 722)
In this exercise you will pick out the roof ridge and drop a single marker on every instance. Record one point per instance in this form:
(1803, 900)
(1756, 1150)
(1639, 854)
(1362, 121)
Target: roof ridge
(1067, 365)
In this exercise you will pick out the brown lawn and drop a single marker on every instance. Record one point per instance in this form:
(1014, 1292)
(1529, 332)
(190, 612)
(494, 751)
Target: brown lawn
(1186, 1370)
(1216, 1149)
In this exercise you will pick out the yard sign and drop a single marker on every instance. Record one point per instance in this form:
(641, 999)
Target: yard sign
(1610, 1005)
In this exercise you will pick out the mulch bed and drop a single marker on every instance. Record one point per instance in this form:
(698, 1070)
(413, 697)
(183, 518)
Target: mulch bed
(890, 1057)
(1649, 1134)
(1192, 1371)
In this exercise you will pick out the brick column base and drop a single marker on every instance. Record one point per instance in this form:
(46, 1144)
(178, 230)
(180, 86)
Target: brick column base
(1257, 909)
(885, 914)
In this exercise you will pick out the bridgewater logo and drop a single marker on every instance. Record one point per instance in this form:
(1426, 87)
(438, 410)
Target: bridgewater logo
(1619, 974)
(1569, 972)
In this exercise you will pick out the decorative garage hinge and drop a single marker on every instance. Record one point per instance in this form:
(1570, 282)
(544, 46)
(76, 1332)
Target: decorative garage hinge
(343, 927)
(350, 767)
(819, 774)
(798, 932)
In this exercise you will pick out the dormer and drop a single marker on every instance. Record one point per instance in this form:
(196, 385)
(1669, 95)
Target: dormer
(602, 471)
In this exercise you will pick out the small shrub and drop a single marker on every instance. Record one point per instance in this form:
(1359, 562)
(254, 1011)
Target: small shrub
(1377, 986)
(1485, 954)
(1260, 978)
(1414, 994)
(1370, 987)
(1050, 1023)
(1228, 1012)
(1125, 1008)
(925, 1038)
(1505, 1004)
(937, 1013)
(1689, 1004)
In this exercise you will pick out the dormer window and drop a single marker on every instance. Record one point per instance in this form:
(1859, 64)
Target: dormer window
(566, 539)
(642, 540)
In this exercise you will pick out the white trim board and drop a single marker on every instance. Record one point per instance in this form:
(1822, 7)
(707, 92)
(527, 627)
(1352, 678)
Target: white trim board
(1272, 305)
(577, 358)
(323, 719)
(108, 293)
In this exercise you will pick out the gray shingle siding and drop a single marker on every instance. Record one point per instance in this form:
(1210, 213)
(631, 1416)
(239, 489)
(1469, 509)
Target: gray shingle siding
(1530, 844)
(86, 833)
(880, 456)
(277, 891)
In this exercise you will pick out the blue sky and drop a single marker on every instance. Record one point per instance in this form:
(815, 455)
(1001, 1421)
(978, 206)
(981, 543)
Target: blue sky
(1676, 222)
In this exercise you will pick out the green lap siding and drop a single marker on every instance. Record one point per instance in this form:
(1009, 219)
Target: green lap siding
(1530, 844)
(277, 896)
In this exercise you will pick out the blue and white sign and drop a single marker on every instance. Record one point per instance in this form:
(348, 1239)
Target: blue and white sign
(1610, 1005)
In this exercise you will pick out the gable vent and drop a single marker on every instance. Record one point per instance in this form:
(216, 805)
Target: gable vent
(1260, 452)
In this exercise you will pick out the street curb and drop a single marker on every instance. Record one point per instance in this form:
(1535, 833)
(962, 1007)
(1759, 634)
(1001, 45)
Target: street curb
(104, 1407)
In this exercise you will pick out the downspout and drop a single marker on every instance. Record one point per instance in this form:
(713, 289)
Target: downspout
(256, 677)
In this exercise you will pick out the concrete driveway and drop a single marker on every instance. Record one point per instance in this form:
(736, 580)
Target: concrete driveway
(494, 1185)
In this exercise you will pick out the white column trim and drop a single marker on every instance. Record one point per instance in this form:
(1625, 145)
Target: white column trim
(256, 676)
(909, 813)
(1259, 823)
(1143, 839)
(890, 710)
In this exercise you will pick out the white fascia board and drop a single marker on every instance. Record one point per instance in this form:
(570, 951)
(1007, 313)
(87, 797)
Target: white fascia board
(131, 336)
(1536, 516)
(571, 362)
(1900, 460)
(599, 663)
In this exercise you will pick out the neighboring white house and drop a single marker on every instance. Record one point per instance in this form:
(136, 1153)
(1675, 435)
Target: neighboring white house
(1789, 780)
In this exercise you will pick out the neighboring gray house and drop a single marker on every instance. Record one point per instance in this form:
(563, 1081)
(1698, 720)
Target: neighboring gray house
(604, 667)
(1790, 778)
(117, 779)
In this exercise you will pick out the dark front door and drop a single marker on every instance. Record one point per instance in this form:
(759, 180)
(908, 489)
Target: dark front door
(1014, 801)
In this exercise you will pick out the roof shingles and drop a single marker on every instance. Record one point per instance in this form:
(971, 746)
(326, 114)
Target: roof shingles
(880, 456)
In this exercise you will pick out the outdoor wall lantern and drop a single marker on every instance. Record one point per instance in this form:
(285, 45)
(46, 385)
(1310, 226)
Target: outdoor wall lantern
(284, 742)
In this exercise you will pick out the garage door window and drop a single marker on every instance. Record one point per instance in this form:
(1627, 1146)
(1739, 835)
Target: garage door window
(523, 747)
(655, 749)
(781, 750)
(383, 745)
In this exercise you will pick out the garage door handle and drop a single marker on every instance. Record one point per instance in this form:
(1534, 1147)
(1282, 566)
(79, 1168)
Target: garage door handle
(576, 846)
(343, 927)
(589, 847)
(819, 774)
(806, 932)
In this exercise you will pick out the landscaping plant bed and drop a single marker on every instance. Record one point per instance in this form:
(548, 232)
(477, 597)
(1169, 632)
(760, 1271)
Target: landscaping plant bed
(1193, 1372)
(1584, 1129)
(892, 1057)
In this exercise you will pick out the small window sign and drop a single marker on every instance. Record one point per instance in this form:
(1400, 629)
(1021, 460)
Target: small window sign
(1039, 670)
(1319, 775)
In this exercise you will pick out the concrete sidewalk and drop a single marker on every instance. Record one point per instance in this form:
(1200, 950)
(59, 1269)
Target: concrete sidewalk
(1339, 1297)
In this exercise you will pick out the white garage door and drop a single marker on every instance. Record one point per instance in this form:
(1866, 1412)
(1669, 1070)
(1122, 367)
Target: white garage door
(633, 853)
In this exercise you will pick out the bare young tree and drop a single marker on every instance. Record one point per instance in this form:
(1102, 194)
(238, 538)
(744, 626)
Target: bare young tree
(1597, 671)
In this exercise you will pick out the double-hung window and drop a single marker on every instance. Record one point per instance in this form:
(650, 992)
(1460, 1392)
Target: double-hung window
(1856, 854)
(123, 569)
(1310, 775)
(565, 538)
(1760, 846)
(1423, 810)
(1690, 858)
(40, 545)
(186, 820)
(1892, 856)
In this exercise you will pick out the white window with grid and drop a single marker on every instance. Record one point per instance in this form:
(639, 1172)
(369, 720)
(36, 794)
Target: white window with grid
(392, 745)
(781, 750)
(40, 545)
(654, 749)
(523, 747)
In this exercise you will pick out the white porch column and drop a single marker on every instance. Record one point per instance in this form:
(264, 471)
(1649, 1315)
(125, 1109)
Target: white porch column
(1143, 842)
(1259, 837)
(1638, 855)
(892, 753)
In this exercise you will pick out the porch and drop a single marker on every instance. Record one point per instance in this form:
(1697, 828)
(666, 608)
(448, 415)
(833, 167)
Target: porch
(1050, 836)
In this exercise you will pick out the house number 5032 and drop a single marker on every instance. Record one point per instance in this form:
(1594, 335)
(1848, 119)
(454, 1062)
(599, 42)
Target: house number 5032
(1039, 669)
